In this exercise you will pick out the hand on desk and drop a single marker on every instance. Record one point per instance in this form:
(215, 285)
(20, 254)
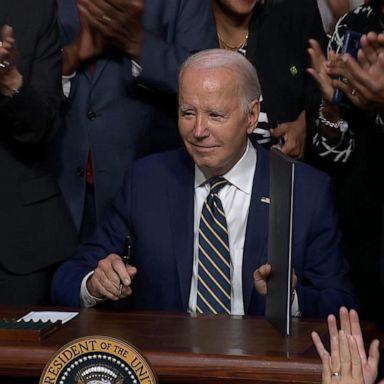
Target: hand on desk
(107, 277)
(261, 275)
(348, 362)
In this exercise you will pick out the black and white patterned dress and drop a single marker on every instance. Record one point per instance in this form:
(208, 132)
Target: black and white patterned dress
(261, 133)
(363, 19)
(357, 168)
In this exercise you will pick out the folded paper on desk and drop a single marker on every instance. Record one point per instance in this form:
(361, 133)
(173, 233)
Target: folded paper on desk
(51, 316)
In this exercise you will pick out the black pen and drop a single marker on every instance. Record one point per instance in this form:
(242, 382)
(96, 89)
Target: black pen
(126, 256)
(127, 252)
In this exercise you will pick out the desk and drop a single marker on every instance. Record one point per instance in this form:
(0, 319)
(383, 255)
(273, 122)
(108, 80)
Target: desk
(182, 349)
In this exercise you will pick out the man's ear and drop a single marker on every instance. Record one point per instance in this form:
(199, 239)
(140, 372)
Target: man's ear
(253, 115)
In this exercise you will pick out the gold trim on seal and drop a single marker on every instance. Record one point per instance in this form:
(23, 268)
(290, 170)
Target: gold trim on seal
(98, 359)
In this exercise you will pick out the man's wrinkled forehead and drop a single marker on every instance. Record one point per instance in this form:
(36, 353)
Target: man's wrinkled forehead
(208, 77)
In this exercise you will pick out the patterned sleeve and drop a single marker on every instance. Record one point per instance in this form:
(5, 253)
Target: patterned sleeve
(340, 151)
(336, 152)
(363, 19)
(336, 42)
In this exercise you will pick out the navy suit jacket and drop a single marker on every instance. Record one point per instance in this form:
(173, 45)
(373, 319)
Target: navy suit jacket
(156, 205)
(119, 116)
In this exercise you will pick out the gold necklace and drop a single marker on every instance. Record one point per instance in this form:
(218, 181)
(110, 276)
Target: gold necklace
(225, 45)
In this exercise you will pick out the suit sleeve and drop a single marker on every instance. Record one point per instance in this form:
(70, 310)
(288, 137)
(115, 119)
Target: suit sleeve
(109, 238)
(323, 285)
(31, 116)
(191, 30)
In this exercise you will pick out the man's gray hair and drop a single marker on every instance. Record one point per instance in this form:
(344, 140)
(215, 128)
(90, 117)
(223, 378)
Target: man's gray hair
(248, 81)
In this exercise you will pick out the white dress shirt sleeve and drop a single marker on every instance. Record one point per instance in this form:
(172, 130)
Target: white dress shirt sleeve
(86, 299)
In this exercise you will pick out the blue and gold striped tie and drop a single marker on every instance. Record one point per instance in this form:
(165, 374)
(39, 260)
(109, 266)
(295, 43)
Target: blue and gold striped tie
(214, 280)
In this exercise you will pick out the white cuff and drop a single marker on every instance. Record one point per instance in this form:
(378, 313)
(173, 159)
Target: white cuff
(86, 299)
(295, 309)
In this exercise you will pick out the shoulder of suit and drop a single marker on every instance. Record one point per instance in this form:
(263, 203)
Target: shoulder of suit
(163, 158)
(162, 168)
(310, 172)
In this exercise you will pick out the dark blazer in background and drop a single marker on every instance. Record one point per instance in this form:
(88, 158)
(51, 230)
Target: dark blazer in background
(121, 117)
(156, 205)
(277, 47)
(36, 231)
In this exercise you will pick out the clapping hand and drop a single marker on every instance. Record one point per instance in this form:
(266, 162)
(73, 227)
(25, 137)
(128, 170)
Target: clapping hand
(347, 362)
(10, 78)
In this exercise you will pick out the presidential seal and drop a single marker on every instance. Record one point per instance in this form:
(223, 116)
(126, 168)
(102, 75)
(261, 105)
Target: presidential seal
(98, 360)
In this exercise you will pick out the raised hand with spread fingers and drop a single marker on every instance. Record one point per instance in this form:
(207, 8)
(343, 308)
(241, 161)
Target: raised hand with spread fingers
(347, 362)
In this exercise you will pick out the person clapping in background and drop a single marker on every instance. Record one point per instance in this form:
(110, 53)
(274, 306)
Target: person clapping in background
(36, 230)
(349, 145)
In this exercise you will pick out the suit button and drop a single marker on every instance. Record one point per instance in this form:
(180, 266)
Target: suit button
(80, 171)
(92, 115)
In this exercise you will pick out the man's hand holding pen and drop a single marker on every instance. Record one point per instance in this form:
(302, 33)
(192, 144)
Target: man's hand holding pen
(112, 278)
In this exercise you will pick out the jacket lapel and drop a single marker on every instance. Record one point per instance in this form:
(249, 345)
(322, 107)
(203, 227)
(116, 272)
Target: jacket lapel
(256, 237)
(181, 203)
(100, 64)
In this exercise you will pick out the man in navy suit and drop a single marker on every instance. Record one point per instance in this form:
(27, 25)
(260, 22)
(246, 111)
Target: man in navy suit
(162, 198)
(120, 61)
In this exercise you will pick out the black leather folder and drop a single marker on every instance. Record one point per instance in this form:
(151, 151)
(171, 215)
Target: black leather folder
(278, 301)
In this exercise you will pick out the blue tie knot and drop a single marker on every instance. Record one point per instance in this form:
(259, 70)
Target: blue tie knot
(216, 183)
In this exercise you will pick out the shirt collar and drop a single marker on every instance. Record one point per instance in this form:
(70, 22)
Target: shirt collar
(240, 175)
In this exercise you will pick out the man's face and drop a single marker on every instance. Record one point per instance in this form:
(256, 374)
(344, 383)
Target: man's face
(212, 123)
